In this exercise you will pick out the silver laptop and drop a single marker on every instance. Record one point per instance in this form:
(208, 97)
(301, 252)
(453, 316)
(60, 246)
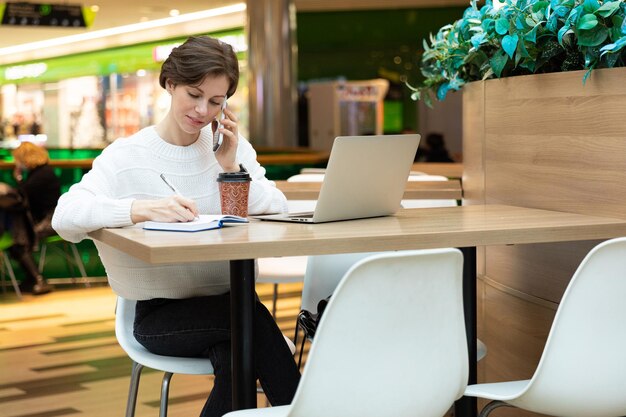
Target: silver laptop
(365, 177)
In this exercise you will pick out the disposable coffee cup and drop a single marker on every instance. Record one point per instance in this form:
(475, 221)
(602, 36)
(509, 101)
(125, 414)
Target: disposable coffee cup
(234, 188)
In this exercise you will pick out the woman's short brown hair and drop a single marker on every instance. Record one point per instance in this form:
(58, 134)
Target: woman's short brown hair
(197, 58)
(30, 155)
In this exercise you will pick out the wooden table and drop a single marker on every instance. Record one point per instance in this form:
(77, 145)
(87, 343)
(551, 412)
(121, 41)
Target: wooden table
(447, 169)
(414, 190)
(463, 227)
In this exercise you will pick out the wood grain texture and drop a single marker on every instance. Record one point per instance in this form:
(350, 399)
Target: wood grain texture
(447, 169)
(414, 190)
(547, 142)
(475, 225)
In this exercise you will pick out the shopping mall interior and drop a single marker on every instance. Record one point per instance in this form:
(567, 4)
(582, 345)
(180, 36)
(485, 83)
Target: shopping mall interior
(77, 89)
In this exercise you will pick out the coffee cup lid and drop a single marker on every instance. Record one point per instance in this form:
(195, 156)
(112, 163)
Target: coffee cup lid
(241, 176)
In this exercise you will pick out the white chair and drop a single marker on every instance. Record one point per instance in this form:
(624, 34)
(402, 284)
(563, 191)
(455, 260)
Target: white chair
(358, 366)
(287, 269)
(582, 371)
(141, 357)
(323, 274)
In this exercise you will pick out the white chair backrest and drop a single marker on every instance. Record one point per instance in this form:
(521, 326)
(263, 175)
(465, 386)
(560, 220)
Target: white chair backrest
(323, 273)
(359, 366)
(582, 371)
(425, 177)
(124, 320)
(306, 178)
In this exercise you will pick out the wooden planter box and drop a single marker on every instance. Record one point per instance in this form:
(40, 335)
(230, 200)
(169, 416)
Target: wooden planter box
(541, 141)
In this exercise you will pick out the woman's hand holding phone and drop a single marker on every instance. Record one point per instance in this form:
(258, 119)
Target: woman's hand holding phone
(225, 139)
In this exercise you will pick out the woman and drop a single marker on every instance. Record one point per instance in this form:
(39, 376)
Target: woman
(39, 190)
(183, 310)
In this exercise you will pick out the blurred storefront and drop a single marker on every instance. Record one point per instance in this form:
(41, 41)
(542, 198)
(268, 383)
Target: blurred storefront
(88, 100)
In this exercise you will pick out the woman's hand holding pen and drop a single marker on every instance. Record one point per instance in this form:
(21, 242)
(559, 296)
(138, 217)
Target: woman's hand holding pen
(226, 155)
(175, 208)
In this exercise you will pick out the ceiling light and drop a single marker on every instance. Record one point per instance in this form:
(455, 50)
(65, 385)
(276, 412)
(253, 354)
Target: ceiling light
(174, 12)
(158, 23)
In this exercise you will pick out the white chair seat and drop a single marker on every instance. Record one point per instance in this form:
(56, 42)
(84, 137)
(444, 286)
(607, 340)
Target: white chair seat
(287, 269)
(280, 411)
(498, 390)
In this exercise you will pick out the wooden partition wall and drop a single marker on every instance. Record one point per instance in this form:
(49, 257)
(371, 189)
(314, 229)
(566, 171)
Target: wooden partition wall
(541, 141)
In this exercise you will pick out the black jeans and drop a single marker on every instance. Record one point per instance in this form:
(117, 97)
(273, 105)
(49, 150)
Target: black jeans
(200, 327)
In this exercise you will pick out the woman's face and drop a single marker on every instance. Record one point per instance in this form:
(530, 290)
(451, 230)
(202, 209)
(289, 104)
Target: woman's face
(194, 107)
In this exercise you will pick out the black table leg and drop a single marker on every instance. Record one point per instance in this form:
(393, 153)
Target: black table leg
(242, 306)
(467, 406)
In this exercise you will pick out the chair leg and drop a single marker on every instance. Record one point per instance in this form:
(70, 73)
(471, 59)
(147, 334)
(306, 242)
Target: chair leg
(42, 257)
(301, 351)
(79, 262)
(133, 390)
(165, 392)
(9, 268)
(274, 300)
(492, 406)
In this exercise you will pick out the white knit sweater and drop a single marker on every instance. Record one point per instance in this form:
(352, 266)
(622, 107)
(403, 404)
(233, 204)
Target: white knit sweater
(129, 169)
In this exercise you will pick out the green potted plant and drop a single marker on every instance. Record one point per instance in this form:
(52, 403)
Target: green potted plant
(519, 37)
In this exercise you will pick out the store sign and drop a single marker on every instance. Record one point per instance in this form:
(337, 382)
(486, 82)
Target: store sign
(43, 14)
(237, 41)
(19, 72)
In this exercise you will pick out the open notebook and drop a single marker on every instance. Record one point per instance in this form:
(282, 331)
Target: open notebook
(203, 222)
(365, 177)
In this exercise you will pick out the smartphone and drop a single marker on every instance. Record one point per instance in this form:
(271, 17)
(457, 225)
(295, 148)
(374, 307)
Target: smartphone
(218, 136)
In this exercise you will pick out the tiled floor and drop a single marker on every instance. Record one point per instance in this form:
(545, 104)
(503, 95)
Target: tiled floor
(59, 357)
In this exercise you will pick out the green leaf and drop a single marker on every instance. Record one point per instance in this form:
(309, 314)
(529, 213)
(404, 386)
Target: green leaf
(531, 36)
(562, 33)
(509, 44)
(593, 37)
(591, 6)
(540, 5)
(442, 91)
(498, 61)
(502, 26)
(608, 8)
(587, 22)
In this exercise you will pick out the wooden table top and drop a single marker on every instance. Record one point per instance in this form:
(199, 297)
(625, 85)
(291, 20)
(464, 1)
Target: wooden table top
(414, 190)
(447, 169)
(463, 226)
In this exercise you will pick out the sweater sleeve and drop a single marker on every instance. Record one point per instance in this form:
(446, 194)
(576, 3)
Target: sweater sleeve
(264, 197)
(90, 204)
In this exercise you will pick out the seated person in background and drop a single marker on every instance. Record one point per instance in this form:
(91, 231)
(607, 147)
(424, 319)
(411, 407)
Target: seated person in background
(183, 309)
(28, 211)
(436, 149)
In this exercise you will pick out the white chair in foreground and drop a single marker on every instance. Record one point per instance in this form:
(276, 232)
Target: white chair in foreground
(323, 274)
(358, 366)
(141, 357)
(582, 371)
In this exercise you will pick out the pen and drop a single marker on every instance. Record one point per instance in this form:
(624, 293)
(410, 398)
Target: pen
(170, 185)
